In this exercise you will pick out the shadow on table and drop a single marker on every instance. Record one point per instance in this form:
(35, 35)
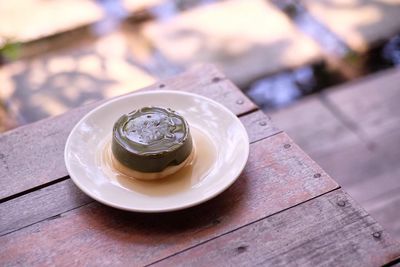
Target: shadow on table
(145, 228)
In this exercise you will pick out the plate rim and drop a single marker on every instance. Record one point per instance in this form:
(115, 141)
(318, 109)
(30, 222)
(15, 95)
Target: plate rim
(159, 210)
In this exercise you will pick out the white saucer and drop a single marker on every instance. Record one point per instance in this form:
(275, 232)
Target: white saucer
(208, 118)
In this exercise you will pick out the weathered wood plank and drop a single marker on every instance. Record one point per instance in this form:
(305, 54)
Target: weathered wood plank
(40, 205)
(387, 146)
(357, 166)
(385, 209)
(33, 155)
(361, 172)
(278, 176)
(338, 150)
(380, 196)
(245, 46)
(63, 196)
(259, 125)
(367, 169)
(386, 149)
(314, 127)
(320, 232)
(371, 103)
(360, 24)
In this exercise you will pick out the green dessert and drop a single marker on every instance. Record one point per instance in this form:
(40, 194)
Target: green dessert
(151, 139)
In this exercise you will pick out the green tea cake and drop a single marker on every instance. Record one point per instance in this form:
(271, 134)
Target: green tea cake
(151, 142)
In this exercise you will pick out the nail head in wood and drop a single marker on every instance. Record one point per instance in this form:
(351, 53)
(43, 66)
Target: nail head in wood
(241, 249)
(287, 146)
(317, 175)
(216, 79)
(341, 203)
(377, 235)
(262, 123)
(161, 85)
(240, 102)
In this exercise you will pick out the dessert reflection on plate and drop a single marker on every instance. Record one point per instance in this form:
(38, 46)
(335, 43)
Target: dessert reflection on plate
(154, 152)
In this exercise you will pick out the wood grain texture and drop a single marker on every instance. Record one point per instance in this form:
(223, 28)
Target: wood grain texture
(40, 205)
(337, 149)
(361, 172)
(371, 104)
(278, 176)
(387, 155)
(32, 155)
(314, 127)
(365, 171)
(63, 196)
(385, 209)
(366, 168)
(316, 233)
(259, 125)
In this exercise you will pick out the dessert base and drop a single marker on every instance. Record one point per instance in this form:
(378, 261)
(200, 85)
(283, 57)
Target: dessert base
(191, 175)
(150, 175)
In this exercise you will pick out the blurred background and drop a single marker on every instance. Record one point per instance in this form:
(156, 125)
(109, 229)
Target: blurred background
(326, 71)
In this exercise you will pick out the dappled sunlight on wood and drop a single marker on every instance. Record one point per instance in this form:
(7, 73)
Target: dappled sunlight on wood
(71, 93)
(359, 23)
(36, 77)
(90, 63)
(112, 45)
(244, 46)
(26, 20)
(48, 104)
(137, 45)
(54, 83)
(59, 64)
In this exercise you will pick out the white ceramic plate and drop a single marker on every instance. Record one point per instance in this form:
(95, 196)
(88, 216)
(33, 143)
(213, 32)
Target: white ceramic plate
(222, 149)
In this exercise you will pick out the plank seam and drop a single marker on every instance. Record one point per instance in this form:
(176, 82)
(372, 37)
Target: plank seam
(266, 137)
(393, 262)
(238, 228)
(326, 245)
(46, 219)
(67, 177)
(248, 112)
(35, 188)
(31, 190)
(25, 192)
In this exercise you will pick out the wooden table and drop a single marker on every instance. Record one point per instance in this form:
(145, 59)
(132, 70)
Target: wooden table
(283, 210)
